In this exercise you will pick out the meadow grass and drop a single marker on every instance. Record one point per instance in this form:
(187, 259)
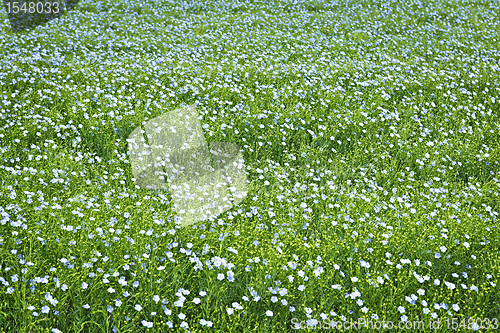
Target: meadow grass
(370, 132)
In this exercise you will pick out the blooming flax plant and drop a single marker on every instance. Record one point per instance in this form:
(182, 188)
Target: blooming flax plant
(369, 132)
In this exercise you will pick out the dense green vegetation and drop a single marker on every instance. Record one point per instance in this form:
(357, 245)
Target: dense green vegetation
(370, 132)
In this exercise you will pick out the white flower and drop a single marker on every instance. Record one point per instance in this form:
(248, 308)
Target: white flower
(449, 285)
